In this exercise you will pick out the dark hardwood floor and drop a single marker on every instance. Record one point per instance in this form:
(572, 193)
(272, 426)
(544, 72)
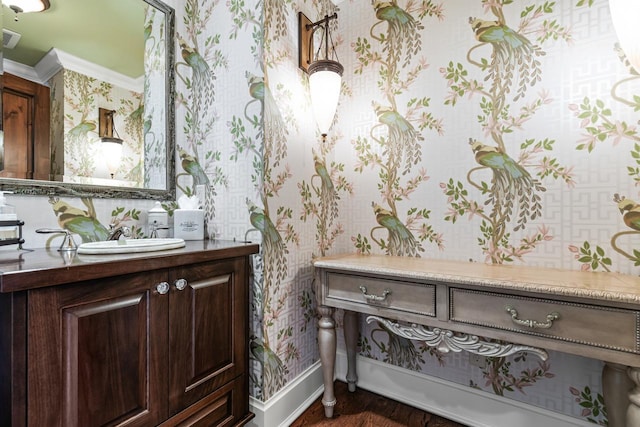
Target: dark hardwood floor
(365, 409)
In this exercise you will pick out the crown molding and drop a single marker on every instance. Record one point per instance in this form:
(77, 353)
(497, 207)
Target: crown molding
(56, 60)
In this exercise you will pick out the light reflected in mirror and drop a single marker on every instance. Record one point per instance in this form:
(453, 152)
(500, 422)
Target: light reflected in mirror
(118, 58)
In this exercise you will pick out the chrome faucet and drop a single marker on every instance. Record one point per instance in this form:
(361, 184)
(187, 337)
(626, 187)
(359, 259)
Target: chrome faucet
(153, 230)
(68, 244)
(116, 232)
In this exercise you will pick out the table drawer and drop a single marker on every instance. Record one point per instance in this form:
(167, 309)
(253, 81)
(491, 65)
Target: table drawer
(593, 325)
(351, 291)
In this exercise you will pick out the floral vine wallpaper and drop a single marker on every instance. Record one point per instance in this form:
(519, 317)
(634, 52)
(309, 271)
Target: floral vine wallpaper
(154, 128)
(81, 96)
(489, 130)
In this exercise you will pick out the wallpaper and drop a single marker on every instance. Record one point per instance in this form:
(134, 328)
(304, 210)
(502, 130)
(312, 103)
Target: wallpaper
(82, 97)
(154, 129)
(488, 130)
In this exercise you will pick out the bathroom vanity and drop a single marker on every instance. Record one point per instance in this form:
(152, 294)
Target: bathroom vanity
(142, 339)
(449, 305)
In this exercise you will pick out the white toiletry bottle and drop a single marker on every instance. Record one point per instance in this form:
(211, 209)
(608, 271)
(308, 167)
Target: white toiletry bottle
(7, 213)
(158, 220)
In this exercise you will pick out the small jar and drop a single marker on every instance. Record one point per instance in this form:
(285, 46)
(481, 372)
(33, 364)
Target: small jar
(158, 221)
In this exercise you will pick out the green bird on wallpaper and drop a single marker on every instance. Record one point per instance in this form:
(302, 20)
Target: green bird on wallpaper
(200, 178)
(511, 182)
(273, 247)
(191, 165)
(403, 32)
(256, 86)
(273, 370)
(494, 32)
(490, 156)
(275, 129)
(263, 223)
(513, 54)
(146, 126)
(137, 115)
(401, 241)
(630, 211)
(328, 193)
(404, 140)
(79, 132)
(202, 78)
(82, 222)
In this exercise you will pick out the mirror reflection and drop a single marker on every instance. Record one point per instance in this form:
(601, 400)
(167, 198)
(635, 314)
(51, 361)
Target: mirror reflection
(94, 79)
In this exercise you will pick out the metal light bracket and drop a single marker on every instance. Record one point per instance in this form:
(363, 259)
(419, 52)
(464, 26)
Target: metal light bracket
(306, 28)
(106, 126)
(305, 42)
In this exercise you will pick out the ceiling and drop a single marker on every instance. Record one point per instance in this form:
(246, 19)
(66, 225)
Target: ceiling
(109, 33)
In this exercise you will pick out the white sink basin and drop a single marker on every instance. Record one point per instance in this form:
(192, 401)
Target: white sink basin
(125, 246)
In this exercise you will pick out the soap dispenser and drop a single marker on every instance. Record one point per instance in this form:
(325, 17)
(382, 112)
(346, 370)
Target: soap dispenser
(7, 213)
(158, 221)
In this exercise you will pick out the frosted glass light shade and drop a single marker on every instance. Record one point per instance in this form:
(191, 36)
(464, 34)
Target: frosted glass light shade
(112, 151)
(27, 6)
(325, 79)
(625, 15)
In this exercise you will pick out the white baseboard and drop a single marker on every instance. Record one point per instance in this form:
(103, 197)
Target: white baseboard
(453, 401)
(290, 402)
(459, 403)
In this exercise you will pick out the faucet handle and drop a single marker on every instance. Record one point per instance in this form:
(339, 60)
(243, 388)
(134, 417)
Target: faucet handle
(153, 228)
(116, 232)
(126, 231)
(68, 244)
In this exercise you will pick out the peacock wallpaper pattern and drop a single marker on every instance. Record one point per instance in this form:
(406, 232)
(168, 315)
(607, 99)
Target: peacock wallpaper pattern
(493, 131)
(79, 111)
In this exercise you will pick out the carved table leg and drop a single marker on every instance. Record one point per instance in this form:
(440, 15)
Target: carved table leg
(351, 341)
(616, 385)
(327, 344)
(633, 412)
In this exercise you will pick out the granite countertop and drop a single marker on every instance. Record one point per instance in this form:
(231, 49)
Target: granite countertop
(615, 287)
(23, 270)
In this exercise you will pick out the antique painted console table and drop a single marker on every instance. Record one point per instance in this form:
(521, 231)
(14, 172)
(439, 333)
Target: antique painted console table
(450, 304)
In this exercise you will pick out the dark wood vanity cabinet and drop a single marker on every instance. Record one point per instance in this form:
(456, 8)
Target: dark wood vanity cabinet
(98, 353)
(208, 340)
(163, 347)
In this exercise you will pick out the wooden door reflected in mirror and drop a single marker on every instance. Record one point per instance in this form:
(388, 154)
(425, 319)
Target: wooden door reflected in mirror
(25, 114)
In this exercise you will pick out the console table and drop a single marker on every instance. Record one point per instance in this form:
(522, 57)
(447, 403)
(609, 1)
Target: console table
(449, 305)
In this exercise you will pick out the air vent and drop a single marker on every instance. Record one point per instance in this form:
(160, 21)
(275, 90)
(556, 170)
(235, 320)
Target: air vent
(10, 39)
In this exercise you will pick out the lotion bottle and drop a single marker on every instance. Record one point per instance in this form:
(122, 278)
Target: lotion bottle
(7, 213)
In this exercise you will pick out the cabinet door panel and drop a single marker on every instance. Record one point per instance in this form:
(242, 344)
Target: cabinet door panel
(111, 369)
(223, 408)
(207, 329)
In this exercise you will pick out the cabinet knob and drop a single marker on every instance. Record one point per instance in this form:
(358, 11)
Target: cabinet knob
(162, 288)
(181, 284)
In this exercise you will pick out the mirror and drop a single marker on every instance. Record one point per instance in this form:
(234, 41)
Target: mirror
(81, 98)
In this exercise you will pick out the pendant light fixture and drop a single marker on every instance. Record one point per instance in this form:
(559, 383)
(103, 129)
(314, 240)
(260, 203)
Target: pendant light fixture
(625, 15)
(111, 145)
(325, 72)
(26, 6)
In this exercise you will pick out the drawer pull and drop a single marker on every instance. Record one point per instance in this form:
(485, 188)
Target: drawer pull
(376, 298)
(534, 324)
